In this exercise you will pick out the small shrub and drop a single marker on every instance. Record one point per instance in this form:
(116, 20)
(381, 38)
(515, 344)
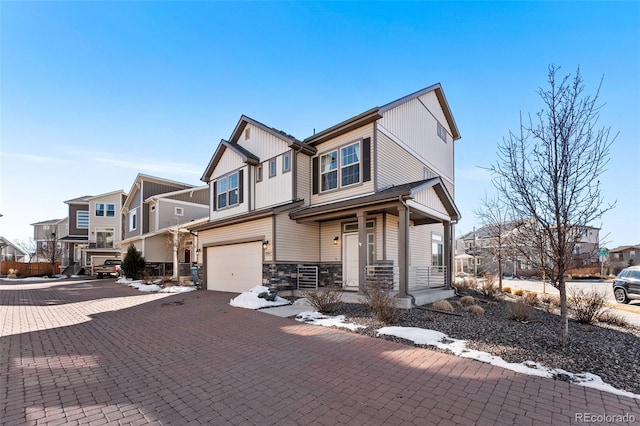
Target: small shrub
(550, 299)
(610, 317)
(324, 299)
(13, 273)
(467, 300)
(456, 304)
(519, 311)
(506, 289)
(531, 298)
(133, 264)
(489, 288)
(475, 310)
(517, 292)
(586, 306)
(442, 305)
(379, 299)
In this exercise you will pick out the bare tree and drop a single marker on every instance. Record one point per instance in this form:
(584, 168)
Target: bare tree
(29, 246)
(549, 170)
(493, 214)
(50, 250)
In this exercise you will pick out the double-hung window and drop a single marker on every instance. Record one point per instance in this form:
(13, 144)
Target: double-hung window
(99, 209)
(111, 210)
(227, 190)
(329, 171)
(350, 164)
(348, 171)
(103, 209)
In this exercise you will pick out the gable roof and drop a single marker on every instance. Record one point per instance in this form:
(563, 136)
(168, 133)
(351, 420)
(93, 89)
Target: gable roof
(247, 156)
(80, 200)
(5, 242)
(624, 248)
(48, 222)
(376, 113)
(142, 177)
(120, 191)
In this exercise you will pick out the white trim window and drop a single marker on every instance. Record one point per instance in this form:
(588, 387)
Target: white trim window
(100, 211)
(82, 219)
(133, 219)
(259, 173)
(227, 191)
(111, 210)
(179, 211)
(108, 210)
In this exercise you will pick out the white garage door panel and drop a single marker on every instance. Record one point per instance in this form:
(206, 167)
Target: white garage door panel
(235, 267)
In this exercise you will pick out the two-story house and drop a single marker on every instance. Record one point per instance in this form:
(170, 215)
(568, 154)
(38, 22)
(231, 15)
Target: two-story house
(46, 236)
(370, 196)
(105, 227)
(11, 252)
(77, 238)
(155, 215)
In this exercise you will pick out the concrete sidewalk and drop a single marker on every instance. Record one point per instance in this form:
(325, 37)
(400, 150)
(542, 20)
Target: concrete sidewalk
(102, 353)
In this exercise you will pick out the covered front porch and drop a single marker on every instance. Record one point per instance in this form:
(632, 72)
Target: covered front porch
(401, 236)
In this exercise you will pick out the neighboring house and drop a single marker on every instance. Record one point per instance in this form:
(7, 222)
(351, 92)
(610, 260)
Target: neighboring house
(623, 256)
(482, 245)
(105, 227)
(369, 197)
(77, 238)
(47, 234)
(10, 252)
(154, 208)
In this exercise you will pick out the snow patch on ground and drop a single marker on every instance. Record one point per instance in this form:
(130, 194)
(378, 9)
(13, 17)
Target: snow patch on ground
(316, 318)
(250, 300)
(35, 279)
(177, 289)
(459, 347)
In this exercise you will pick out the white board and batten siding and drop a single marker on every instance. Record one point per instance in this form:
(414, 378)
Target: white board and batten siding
(354, 190)
(273, 190)
(296, 242)
(415, 123)
(262, 144)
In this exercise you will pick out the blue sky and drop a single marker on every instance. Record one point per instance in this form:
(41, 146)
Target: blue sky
(93, 93)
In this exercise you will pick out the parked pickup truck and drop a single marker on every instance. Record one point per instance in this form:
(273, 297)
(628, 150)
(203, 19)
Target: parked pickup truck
(110, 267)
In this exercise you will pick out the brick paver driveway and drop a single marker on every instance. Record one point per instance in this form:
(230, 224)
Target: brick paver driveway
(101, 353)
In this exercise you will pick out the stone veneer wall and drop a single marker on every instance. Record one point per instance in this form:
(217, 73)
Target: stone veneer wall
(284, 276)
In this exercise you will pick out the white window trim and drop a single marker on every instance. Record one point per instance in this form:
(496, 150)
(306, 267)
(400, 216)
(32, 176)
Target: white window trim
(133, 219)
(104, 210)
(259, 173)
(442, 132)
(179, 211)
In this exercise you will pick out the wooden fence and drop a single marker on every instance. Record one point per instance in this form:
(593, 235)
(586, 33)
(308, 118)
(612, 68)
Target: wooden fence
(30, 269)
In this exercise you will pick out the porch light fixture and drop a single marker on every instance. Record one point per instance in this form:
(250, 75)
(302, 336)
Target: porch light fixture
(336, 240)
(265, 244)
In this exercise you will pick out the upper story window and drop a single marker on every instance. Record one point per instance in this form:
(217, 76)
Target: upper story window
(179, 211)
(227, 191)
(442, 132)
(286, 162)
(45, 227)
(247, 133)
(133, 220)
(82, 219)
(259, 173)
(103, 209)
(349, 169)
(272, 167)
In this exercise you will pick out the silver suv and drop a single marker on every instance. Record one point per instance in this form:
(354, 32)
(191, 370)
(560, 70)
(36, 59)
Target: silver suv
(626, 286)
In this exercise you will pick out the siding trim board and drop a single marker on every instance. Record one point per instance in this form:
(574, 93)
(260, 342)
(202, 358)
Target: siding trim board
(235, 241)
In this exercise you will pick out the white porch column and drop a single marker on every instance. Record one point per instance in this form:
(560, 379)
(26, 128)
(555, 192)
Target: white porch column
(448, 254)
(403, 250)
(362, 250)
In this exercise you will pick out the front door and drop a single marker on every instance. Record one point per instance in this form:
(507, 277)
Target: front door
(350, 275)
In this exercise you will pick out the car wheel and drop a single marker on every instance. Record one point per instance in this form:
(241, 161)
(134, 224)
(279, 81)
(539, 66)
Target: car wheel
(620, 295)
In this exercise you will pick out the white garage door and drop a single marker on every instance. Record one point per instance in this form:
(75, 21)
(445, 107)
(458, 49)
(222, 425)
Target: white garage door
(234, 267)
